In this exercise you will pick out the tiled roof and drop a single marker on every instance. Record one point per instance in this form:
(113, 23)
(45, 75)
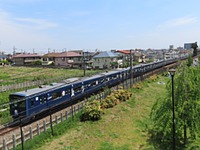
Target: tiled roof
(26, 55)
(51, 55)
(124, 51)
(68, 54)
(105, 54)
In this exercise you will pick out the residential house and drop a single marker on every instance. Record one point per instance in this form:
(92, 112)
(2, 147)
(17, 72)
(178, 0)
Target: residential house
(105, 60)
(124, 57)
(26, 58)
(3, 56)
(139, 57)
(87, 57)
(49, 58)
(69, 59)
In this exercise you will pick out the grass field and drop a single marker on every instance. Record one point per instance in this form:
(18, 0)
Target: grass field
(11, 75)
(121, 128)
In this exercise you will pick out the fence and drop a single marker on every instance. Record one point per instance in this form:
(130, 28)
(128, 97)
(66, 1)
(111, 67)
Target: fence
(31, 132)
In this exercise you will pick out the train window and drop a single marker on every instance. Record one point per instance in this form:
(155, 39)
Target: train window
(115, 76)
(32, 102)
(56, 95)
(41, 100)
(107, 79)
(78, 89)
(102, 80)
(86, 85)
(45, 99)
(68, 91)
(93, 83)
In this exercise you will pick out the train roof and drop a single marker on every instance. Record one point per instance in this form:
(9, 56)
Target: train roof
(40, 89)
(92, 77)
(44, 88)
(110, 72)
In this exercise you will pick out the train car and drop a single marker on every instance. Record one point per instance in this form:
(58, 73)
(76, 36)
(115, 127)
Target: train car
(35, 101)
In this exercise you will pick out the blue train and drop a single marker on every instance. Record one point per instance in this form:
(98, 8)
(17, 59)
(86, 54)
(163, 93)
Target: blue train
(35, 101)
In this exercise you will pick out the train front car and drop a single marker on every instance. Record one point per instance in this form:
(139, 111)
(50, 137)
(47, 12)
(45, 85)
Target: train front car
(17, 105)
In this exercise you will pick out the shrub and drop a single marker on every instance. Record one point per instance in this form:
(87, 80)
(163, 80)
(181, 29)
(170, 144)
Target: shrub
(92, 111)
(137, 86)
(122, 95)
(109, 101)
(37, 62)
(154, 77)
(115, 98)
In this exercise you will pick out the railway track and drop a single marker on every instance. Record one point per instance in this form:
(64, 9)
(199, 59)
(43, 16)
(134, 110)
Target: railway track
(4, 131)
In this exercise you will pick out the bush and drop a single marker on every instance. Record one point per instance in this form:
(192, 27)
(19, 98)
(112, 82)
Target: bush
(122, 95)
(137, 86)
(152, 78)
(3, 62)
(109, 101)
(38, 62)
(92, 111)
(116, 97)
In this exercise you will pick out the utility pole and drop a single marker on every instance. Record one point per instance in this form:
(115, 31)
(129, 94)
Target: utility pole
(14, 50)
(172, 73)
(131, 68)
(84, 69)
(21, 131)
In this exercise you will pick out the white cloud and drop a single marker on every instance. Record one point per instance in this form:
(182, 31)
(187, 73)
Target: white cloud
(23, 36)
(35, 23)
(179, 22)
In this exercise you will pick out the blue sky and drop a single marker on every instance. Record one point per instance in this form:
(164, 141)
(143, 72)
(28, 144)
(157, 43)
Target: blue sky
(97, 24)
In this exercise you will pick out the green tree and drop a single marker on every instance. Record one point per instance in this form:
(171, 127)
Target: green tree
(113, 64)
(190, 61)
(187, 109)
(38, 62)
(194, 46)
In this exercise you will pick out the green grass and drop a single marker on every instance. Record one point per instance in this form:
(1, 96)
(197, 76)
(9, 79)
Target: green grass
(123, 127)
(12, 75)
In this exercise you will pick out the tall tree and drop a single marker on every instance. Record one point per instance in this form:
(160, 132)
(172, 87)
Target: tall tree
(194, 46)
(187, 108)
(190, 60)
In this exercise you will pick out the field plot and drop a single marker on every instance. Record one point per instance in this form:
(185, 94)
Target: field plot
(12, 75)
